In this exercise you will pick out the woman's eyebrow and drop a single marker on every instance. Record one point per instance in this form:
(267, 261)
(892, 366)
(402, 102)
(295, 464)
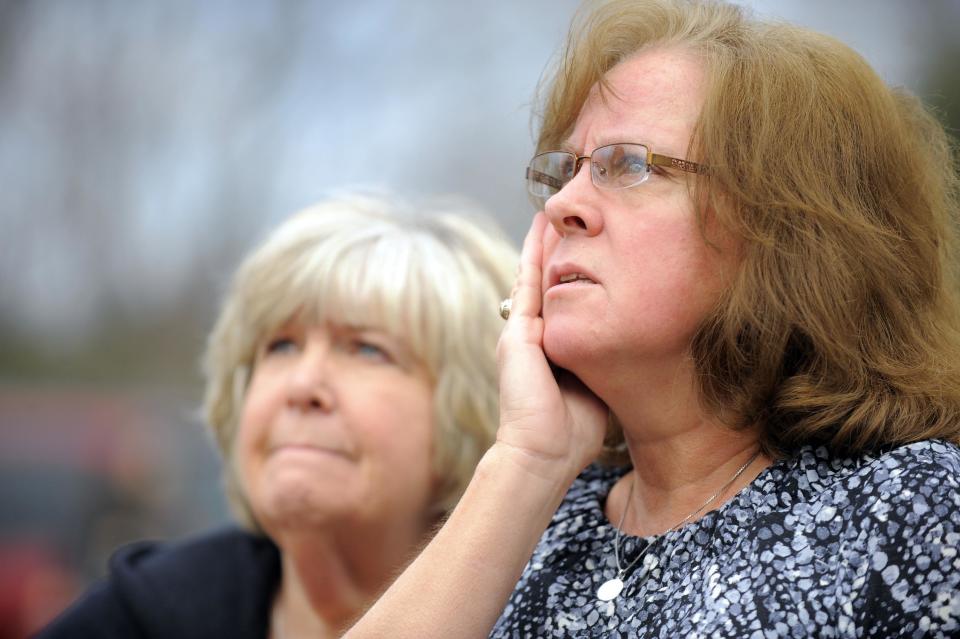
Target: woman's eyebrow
(377, 331)
(364, 328)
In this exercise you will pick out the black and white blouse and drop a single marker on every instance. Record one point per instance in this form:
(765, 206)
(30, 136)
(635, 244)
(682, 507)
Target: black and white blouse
(815, 546)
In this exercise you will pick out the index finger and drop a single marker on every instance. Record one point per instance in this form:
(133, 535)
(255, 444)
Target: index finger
(528, 297)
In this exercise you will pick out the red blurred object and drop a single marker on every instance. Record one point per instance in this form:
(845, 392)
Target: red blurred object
(35, 585)
(83, 471)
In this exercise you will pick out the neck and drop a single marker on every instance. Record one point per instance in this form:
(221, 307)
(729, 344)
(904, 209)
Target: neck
(328, 580)
(681, 455)
(318, 594)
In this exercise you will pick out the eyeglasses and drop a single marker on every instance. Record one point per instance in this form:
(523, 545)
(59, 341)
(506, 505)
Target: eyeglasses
(614, 166)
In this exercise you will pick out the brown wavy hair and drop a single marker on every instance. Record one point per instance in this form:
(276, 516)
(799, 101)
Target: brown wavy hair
(840, 326)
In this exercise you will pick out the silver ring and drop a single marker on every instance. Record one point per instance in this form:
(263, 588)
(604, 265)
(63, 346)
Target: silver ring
(505, 307)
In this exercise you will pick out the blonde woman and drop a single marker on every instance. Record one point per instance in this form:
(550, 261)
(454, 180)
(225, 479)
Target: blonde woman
(744, 275)
(351, 389)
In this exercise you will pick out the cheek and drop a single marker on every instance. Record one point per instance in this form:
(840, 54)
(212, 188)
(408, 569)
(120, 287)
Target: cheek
(668, 287)
(253, 429)
(673, 262)
(415, 428)
(404, 433)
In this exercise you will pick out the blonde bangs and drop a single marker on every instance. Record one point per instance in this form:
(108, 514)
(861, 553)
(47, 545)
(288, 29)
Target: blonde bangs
(409, 286)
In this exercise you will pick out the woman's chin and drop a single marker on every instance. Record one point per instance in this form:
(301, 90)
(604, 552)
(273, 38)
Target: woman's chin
(299, 505)
(566, 347)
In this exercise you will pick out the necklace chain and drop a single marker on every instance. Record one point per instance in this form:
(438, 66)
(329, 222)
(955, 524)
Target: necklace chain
(621, 571)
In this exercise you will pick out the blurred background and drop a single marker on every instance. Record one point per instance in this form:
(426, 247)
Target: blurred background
(144, 146)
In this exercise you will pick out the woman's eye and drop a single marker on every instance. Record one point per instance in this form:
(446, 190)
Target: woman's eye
(634, 164)
(371, 351)
(280, 345)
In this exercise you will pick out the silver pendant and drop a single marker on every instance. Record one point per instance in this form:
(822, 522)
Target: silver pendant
(610, 589)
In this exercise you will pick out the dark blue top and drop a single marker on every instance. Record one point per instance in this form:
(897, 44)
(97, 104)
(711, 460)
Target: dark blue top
(220, 584)
(816, 546)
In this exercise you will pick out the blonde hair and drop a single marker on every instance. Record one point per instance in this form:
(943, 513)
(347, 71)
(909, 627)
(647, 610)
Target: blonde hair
(429, 276)
(841, 324)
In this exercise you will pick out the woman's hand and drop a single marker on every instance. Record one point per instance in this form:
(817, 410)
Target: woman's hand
(552, 424)
(548, 432)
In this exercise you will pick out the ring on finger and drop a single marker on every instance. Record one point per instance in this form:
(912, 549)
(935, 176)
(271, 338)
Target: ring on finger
(505, 307)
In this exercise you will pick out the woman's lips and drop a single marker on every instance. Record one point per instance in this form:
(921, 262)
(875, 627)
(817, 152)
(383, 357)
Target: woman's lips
(575, 277)
(569, 274)
(311, 449)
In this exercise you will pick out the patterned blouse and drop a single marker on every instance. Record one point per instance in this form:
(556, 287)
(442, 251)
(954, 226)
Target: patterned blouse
(815, 546)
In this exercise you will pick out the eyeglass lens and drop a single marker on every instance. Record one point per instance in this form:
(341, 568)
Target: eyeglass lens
(615, 166)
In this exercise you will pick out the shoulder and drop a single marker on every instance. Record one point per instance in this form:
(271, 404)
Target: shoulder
(866, 543)
(909, 499)
(932, 465)
(209, 581)
(913, 551)
(201, 586)
(918, 484)
(931, 461)
(896, 493)
(900, 547)
(217, 554)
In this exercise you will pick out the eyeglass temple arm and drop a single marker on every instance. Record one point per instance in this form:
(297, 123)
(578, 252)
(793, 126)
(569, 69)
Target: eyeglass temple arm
(543, 178)
(676, 163)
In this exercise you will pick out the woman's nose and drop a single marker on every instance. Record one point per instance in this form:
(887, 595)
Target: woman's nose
(573, 209)
(309, 384)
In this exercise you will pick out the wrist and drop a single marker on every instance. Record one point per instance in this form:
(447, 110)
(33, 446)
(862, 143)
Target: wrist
(548, 473)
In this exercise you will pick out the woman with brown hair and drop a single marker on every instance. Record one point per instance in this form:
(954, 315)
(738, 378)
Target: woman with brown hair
(744, 283)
